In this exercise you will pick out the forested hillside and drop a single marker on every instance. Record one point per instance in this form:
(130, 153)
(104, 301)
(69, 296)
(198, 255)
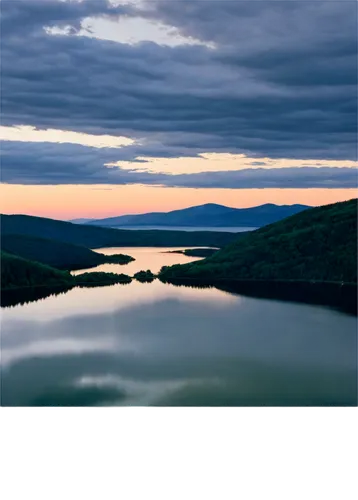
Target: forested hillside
(56, 253)
(317, 244)
(17, 272)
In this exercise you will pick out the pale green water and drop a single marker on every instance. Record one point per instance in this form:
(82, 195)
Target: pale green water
(157, 344)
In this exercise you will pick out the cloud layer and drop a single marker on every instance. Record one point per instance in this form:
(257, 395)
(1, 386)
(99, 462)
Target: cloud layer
(33, 163)
(281, 82)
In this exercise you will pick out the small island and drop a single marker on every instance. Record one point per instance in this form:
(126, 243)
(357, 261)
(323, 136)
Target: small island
(118, 258)
(145, 276)
(196, 252)
(101, 279)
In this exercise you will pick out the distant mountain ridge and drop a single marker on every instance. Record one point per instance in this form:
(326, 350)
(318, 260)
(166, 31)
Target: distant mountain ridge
(80, 221)
(91, 236)
(208, 215)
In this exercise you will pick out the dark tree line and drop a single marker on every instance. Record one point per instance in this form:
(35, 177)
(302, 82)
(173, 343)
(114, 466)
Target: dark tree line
(64, 256)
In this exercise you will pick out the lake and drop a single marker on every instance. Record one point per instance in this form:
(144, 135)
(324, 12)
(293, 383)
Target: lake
(145, 258)
(159, 344)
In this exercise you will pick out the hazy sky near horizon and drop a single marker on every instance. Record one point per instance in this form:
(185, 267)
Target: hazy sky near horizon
(130, 106)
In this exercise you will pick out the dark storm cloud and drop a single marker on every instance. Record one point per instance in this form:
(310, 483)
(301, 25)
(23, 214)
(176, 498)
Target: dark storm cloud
(37, 163)
(33, 15)
(303, 26)
(172, 103)
(280, 82)
(259, 178)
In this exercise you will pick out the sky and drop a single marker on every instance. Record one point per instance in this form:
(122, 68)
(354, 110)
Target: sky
(132, 106)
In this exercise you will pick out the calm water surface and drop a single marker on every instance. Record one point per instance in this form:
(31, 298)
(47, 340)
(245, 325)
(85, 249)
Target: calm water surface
(145, 258)
(157, 344)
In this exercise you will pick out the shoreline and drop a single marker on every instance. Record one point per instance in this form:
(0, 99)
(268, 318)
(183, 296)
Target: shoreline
(336, 295)
(339, 295)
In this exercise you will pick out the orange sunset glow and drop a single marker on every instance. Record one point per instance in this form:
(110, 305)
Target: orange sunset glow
(67, 202)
